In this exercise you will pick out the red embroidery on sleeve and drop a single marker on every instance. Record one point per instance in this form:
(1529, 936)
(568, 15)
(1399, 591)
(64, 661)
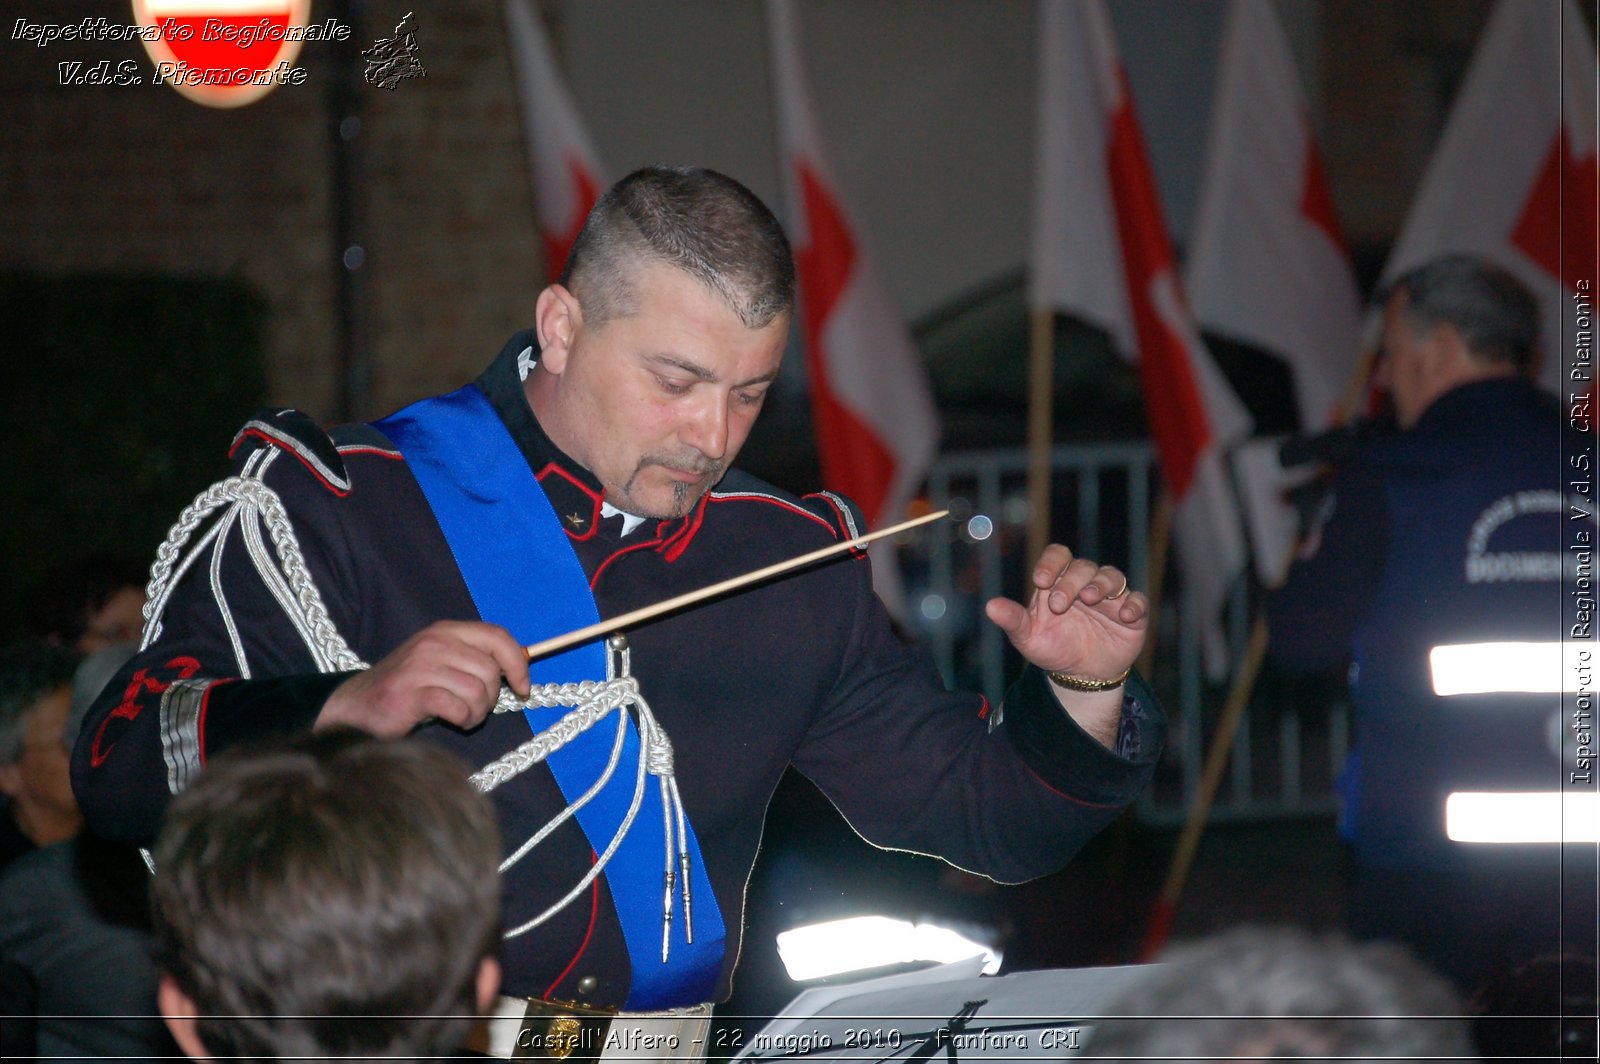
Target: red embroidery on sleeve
(129, 708)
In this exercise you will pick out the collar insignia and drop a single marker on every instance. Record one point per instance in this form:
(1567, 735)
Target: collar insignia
(576, 520)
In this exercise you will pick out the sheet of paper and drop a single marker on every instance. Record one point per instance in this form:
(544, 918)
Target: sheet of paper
(1025, 1016)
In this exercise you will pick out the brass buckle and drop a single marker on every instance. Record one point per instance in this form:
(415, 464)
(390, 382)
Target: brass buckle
(562, 1030)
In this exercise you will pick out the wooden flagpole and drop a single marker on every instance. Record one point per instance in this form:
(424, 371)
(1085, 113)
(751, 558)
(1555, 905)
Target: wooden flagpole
(1156, 551)
(1244, 681)
(1041, 404)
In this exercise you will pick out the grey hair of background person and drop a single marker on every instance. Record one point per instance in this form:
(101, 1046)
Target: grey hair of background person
(28, 672)
(1283, 992)
(1494, 312)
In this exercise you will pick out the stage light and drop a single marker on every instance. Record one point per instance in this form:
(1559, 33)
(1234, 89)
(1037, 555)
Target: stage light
(1512, 668)
(859, 943)
(1525, 817)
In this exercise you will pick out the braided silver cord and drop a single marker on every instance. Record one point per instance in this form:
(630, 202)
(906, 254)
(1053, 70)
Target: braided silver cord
(289, 580)
(309, 615)
(600, 862)
(582, 800)
(594, 700)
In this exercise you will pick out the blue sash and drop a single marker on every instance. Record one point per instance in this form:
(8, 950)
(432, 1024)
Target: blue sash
(523, 575)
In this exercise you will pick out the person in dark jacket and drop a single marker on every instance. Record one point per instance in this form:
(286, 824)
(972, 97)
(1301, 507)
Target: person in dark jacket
(1444, 541)
(585, 474)
(75, 922)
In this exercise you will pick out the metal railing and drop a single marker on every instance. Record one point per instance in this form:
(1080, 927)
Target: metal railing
(1288, 750)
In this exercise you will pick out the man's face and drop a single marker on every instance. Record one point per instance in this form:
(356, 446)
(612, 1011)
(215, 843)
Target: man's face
(40, 780)
(1405, 366)
(658, 403)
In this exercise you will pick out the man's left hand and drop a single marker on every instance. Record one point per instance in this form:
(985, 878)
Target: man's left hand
(1083, 621)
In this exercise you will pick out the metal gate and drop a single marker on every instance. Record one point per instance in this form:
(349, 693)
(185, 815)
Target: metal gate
(1293, 740)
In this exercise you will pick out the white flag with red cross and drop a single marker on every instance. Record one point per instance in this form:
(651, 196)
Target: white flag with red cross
(1513, 179)
(1101, 252)
(872, 405)
(567, 176)
(1268, 265)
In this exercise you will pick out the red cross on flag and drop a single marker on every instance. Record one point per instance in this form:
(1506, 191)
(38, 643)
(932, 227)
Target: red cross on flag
(1513, 179)
(1267, 265)
(871, 402)
(567, 176)
(1101, 252)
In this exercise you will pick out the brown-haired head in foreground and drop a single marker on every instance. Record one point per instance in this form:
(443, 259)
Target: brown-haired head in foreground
(336, 896)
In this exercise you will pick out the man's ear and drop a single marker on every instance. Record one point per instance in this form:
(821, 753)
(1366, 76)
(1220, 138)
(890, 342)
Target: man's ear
(178, 1009)
(1445, 349)
(488, 984)
(556, 319)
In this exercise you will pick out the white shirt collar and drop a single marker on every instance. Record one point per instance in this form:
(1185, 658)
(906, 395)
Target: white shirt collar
(629, 521)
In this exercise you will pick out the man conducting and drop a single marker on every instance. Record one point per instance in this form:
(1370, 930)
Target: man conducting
(587, 473)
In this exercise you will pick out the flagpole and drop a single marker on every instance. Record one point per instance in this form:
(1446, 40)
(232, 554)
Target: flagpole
(1211, 778)
(1156, 552)
(353, 388)
(1244, 682)
(1041, 406)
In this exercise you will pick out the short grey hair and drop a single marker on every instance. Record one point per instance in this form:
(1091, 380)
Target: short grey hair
(1495, 313)
(699, 221)
(1263, 992)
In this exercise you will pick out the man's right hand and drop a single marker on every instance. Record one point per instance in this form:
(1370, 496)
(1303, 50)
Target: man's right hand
(449, 671)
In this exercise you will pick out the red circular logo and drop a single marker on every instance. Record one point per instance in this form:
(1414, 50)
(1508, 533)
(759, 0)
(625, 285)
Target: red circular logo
(223, 53)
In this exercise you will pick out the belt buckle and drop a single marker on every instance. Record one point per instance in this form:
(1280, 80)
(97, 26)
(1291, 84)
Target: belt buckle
(562, 1030)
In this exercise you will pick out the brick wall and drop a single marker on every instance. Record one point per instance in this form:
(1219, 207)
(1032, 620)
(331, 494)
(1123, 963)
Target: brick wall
(1390, 73)
(136, 178)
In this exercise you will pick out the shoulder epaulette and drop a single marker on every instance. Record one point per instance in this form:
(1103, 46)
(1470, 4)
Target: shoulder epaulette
(841, 517)
(291, 431)
(842, 512)
(362, 438)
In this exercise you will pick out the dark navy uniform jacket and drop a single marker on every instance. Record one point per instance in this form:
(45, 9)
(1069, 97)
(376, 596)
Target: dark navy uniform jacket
(804, 670)
(1449, 533)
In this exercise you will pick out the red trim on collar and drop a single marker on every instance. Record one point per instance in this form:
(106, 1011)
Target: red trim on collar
(644, 544)
(679, 541)
(594, 500)
(557, 468)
